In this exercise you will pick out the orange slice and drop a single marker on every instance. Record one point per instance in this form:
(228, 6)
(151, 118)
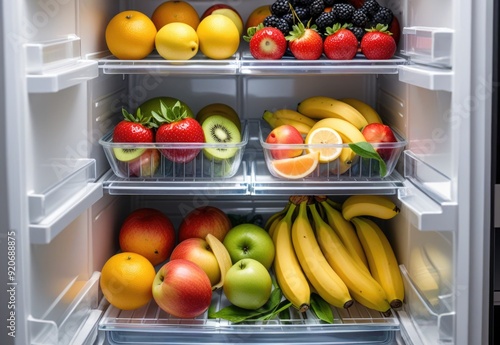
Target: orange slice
(296, 167)
(329, 137)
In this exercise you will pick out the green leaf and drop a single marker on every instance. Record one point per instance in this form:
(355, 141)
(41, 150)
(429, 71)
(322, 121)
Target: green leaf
(321, 308)
(365, 149)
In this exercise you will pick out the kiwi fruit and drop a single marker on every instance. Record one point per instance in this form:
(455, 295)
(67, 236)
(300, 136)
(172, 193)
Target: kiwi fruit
(127, 154)
(220, 130)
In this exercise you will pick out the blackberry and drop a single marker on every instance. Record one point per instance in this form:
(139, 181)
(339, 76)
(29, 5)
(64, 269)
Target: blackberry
(290, 19)
(316, 8)
(370, 7)
(304, 3)
(383, 16)
(303, 14)
(325, 19)
(358, 32)
(280, 7)
(359, 18)
(329, 3)
(278, 23)
(343, 12)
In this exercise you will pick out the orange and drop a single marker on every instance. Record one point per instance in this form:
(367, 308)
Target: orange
(331, 143)
(257, 16)
(127, 280)
(296, 167)
(130, 35)
(175, 11)
(219, 37)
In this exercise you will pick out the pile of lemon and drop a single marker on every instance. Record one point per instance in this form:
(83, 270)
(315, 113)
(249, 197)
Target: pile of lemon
(175, 30)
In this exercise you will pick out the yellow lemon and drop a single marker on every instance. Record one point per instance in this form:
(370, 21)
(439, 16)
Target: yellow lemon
(177, 41)
(219, 36)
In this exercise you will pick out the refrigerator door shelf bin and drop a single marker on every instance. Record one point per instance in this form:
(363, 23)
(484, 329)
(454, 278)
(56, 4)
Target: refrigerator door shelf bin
(151, 325)
(244, 63)
(428, 45)
(53, 209)
(75, 323)
(431, 318)
(56, 65)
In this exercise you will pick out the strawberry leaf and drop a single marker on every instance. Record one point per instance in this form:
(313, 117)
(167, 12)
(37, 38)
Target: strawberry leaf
(366, 150)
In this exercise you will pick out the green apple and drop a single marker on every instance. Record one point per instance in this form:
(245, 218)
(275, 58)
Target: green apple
(248, 284)
(249, 241)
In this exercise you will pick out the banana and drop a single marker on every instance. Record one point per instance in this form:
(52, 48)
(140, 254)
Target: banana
(222, 256)
(347, 234)
(289, 274)
(378, 206)
(424, 275)
(320, 107)
(318, 271)
(381, 259)
(290, 114)
(366, 110)
(273, 217)
(358, 280)
(274, 122)
(344, 162)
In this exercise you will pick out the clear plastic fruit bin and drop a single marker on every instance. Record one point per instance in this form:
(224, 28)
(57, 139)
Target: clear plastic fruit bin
(360, 168)
(154, 164)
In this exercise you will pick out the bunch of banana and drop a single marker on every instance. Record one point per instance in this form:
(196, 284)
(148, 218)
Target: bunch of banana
(345, 231)
(321, 107)
(358, 280)
(318, 271)
(289, 274)
(349, 134)
(289, 117)
(381, 259)
(366, 110)
(378, 206)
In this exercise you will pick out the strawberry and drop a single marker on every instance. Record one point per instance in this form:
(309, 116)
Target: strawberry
(177, 127)
(378, 44)
(305, 43)
(266, 43)
(341, 43)
(132, 129)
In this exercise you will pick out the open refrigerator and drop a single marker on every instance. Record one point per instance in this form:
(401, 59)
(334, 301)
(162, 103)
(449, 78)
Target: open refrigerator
(62, 93)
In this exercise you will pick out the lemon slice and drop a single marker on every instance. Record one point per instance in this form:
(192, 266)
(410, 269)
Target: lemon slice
(296, 167)
(329, 137)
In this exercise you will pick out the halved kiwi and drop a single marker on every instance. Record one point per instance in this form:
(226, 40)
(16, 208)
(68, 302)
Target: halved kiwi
(127, 154)
(220, 130)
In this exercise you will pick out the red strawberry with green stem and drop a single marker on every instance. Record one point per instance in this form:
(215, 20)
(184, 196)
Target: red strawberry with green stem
(132, 129)
(266, 43)
(175, 126)
(305, 42)
(378, 44)
(341, 43)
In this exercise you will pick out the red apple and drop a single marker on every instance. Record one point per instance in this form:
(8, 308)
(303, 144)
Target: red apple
(285, 134)
(148, 232)
(204, 220)
(199, 252)
(182, 289)
(380, 133)
(146, 164)
(227, 11)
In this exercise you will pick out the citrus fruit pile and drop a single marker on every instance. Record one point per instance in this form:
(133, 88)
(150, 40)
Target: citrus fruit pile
(176, 31)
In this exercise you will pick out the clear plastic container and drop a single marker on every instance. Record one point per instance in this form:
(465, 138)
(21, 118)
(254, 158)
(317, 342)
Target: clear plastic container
(359, 168)
(153, 163)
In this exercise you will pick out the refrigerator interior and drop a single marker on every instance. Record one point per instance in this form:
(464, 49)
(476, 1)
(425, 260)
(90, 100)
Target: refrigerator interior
(69, 222)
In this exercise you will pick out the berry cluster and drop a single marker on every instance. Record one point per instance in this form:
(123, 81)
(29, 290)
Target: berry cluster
(326, 13)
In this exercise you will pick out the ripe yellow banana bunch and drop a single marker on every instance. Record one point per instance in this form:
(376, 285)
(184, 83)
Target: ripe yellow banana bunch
(321, 275)
(366, 110)
(321, 107)
(362, 286)
(378, 206)
(289, 117)
(381, 259)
